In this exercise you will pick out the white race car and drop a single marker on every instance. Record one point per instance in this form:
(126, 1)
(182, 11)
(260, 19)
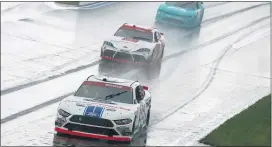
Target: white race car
(105, 108)
(134, 44)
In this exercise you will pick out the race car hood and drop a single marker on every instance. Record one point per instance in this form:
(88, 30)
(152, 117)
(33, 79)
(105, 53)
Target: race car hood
(129, 45)
(176, 10)
(102, 109)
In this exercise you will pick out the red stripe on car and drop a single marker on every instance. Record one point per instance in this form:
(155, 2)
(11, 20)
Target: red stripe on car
(89, 135)
(137, 28)
(106, 85)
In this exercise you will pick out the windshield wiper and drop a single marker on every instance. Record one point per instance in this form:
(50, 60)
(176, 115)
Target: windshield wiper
(113, 95)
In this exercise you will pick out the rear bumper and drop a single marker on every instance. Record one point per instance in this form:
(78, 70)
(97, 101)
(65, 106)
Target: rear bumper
(90, 135)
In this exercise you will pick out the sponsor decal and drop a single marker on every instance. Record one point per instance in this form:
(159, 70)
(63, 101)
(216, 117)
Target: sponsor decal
(110, 109)
(137, 28)
(80, 104)
(93, 111)
(115, 86)
(97, 104)
(111, 106)
(107, 85)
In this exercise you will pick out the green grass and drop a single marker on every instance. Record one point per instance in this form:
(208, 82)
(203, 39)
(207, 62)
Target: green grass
(251, 127)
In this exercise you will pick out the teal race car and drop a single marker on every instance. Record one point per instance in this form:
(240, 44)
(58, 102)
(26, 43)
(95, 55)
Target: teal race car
(181, 13)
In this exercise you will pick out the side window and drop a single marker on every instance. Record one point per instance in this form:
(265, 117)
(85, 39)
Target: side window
(139, 90)
(155, 37)
(137, 93)
(159, 35)
(142, 92)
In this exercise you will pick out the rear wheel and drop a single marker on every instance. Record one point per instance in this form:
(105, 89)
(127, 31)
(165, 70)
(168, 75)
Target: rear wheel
(148, 117)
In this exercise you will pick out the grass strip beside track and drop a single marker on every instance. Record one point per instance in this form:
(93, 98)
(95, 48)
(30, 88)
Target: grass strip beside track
(251, 127)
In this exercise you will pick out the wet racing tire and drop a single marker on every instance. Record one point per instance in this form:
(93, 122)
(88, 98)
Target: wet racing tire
(148, 117)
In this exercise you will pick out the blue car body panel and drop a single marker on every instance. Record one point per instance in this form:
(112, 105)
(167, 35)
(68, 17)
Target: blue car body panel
(179, 15)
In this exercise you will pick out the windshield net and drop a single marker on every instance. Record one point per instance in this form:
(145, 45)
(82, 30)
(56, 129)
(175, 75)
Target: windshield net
(134, 34)
(189, 5)
(99, 91)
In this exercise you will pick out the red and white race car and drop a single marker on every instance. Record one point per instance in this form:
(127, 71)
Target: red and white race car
(105, 108)
(134, 44)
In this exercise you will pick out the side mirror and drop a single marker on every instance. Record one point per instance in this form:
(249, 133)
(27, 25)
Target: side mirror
(161, 33)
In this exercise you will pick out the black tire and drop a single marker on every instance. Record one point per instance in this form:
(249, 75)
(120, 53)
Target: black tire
(148, 117)
(133, 127)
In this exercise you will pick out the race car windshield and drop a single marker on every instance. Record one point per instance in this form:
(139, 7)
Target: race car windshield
(134, 34)
(188, 5)
(103, 93)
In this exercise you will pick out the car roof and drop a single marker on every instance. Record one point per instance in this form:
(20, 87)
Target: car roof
(113, 80)
(141, 27)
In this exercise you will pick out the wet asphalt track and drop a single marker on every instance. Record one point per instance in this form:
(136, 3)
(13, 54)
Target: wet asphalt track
(94, 25)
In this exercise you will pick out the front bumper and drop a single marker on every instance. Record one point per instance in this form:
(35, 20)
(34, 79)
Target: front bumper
(97, 128)
(123, 57)
(91, 135)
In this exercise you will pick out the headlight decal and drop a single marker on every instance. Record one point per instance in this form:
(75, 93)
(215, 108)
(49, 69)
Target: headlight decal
(123, 121)
(107, 43)
(63, 113)
(143, 50)
(60, 121)
(125, 131)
